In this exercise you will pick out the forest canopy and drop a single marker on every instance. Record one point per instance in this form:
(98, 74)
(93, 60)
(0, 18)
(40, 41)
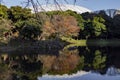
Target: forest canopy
(21, 22)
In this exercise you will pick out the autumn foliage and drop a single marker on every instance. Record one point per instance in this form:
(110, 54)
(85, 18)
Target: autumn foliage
(59, 25)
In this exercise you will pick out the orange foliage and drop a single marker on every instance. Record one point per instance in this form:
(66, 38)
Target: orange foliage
(66, 62)
(61, 26)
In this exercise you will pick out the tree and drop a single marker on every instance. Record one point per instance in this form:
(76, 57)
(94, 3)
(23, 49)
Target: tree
(5, 27)
(16, 13)
(27, 67)
(88, 16)
(99, 60)
(98, 24)
(35, 3)
(94, 28)
(108, 22)
(66, 62)
(30, 29)
(3, 11)
(78, 17)
(116, 26)
(60, 25)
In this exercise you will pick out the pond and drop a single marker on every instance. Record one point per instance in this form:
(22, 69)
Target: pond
(71, 63)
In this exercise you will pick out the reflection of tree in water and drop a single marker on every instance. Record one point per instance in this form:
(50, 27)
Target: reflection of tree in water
(30, 66)
(23, 66)
(113, 56)
(57, 62)
(94, 59)
(65, 62)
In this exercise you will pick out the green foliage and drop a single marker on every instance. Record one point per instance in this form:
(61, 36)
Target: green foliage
(19, 25)
(73, 42)
(98, 24)
(95, 27)
(91, 25)
(30, 29)
(88, 29)
(3, 11)
(99, 60)
(16, 13)
(51, 13)
(5, 26)
(81, 63)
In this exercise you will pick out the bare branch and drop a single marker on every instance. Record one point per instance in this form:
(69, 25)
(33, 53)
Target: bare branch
(27, 3)
(75, 1)
(66, 1)
(40, 5)
(36, 4)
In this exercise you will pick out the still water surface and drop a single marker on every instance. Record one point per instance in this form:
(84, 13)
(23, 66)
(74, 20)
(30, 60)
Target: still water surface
(97, 57)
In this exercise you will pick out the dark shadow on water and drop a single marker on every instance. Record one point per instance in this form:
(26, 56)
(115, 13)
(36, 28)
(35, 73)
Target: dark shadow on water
(103, 42)
(34, 63)
(29, 62)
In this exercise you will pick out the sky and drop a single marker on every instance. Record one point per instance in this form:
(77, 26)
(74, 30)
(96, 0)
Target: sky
(93, 5)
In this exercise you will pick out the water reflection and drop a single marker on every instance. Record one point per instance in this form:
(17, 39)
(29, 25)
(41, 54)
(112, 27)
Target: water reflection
(35, 64)
(28, 65)
(22, 66)
(66, 62)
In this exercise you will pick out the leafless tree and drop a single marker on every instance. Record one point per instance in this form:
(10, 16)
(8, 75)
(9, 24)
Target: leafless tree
(36, 3)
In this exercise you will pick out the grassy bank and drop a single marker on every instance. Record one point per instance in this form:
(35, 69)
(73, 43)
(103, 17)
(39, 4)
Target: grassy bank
(73, 42)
